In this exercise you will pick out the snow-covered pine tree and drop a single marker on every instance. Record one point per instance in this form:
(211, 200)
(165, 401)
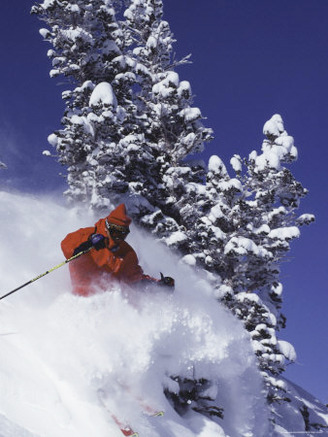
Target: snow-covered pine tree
(129, 123)
(245, 232)
(273, 197)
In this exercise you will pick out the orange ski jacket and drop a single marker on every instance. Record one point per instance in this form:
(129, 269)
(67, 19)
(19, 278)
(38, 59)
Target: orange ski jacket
(97, 268)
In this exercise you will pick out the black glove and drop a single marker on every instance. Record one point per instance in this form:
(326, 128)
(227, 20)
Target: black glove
(82, 247)
(98, 241)
(166, 281)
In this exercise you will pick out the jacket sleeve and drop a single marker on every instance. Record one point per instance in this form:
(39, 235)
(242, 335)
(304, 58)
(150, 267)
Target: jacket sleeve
(74, 239)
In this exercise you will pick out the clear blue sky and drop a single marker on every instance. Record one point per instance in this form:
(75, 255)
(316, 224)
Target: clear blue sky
(251, 59)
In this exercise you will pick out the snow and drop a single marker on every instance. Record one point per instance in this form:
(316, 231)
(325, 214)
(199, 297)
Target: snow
(286, 142)
(73, 8)
(269, 159)
(103, 93)
(175, 237)
(165, 87)
(278, 148)
(274, 127)
(243, 246)
(189, 259)
(231, 184)
(44, 33)
(305, 219)
(264, 229)
(216, 166)
(215, 213)
(172, 79)
(51, 53)
(83, 122)
(190, 114)
(287, 350)
(53, 140)
(54, 72)
(76, 33)
(236, 163)
(285, 233)
(47, 3)
(184, 88)
(290, 414)
(151, 42)
(60, 350)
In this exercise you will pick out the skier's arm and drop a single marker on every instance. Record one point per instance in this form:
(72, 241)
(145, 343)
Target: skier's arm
(77, 241)
(131, 272)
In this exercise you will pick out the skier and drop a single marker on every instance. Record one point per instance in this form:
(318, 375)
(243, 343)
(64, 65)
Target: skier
(110, 256)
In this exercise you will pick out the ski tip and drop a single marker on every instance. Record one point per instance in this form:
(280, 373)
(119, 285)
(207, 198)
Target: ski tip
(129, 433)
(158, 414)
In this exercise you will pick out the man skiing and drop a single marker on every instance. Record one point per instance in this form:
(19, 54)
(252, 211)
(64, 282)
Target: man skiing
(109, 257)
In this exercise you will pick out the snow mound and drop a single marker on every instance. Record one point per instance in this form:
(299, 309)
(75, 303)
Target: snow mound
(103, 93)
(60, 352)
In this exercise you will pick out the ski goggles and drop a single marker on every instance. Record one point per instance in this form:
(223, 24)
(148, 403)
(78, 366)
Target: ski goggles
(117, 231)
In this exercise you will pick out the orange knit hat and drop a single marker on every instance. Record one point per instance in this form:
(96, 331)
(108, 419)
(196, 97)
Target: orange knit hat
(119, 217)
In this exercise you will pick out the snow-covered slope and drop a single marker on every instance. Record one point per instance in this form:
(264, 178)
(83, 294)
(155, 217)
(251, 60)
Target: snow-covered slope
(59, 351)
(62, 354)
(303, 414)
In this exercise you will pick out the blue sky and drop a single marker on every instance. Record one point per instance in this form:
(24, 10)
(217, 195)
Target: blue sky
(251, 59)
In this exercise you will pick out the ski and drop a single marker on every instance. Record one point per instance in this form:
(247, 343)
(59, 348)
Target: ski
(147, 409)
(158, 414)
(125, 429)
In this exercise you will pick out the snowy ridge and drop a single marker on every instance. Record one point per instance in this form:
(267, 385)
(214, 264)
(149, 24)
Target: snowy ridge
(303, 415)
(59, 350)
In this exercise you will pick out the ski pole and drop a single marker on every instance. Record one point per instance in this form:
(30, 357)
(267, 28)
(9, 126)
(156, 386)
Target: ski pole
(45, 273)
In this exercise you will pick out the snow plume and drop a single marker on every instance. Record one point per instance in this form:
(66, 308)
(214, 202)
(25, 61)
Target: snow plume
(61, 355)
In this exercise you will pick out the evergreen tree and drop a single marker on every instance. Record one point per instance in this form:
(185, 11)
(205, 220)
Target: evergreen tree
(245, 232)
(129, 123)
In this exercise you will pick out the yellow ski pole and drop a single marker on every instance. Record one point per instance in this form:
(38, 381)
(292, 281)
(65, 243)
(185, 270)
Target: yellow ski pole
(45, 273)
